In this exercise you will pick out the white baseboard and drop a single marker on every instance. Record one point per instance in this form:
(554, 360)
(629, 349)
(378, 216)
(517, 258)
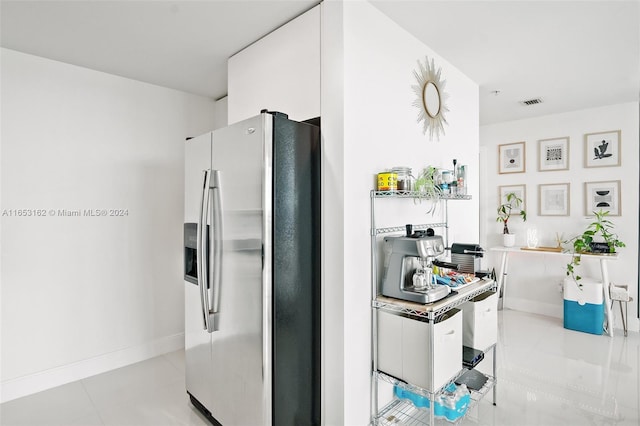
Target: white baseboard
(43, 380)
(554, 311)
(524, 305)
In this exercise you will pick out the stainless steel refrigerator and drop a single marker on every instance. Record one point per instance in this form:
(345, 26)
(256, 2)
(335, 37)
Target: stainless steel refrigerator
(252, 272)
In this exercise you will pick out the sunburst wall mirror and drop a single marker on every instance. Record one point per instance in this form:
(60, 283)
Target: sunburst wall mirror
(431, 98)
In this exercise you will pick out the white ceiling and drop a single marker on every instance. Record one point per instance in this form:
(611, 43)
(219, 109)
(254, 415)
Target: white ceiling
(572, 54)
(179, 44)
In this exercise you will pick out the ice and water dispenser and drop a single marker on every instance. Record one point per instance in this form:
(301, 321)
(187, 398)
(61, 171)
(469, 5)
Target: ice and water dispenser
(191, 252)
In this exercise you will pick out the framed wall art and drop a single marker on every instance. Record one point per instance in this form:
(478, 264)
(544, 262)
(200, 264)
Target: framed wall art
(553, 199)
(553, 154)
(519, 190)
(602, 149)
(511, 158)
(602, 196)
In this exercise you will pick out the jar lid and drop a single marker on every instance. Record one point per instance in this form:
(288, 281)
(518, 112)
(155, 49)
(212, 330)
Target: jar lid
(401, 169)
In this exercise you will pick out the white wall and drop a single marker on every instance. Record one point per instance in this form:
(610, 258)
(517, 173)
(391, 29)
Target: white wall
(220, 114)
(81, 295)
(333, 235)
(279, 72)
(380, 131)
(368, 125)
(533, 280)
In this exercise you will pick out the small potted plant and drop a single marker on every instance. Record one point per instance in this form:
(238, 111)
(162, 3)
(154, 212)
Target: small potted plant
(427, 184)
(426, 187)
(504, 214)
(600, 228)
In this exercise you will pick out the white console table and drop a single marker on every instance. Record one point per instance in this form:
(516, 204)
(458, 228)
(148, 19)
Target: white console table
(603, 258)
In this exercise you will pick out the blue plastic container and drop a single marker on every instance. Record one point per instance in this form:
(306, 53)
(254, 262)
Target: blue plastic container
(587, 318)
(451, 411)
(583, 306)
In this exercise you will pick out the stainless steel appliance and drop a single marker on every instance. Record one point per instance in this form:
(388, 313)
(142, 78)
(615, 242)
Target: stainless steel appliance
(252, 272)
(407, 267)
(467, 256)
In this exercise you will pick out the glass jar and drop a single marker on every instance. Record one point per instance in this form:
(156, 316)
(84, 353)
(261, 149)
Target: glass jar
(447, 176)
(405, 178)
(420, 279)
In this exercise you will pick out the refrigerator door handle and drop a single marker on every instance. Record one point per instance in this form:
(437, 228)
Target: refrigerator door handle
(216, 270)
(203, 250)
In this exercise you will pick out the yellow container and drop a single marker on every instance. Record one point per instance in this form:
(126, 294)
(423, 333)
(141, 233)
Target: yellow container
(387, 181)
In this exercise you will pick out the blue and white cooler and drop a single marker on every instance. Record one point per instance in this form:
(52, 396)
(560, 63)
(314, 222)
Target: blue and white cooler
(583, 305)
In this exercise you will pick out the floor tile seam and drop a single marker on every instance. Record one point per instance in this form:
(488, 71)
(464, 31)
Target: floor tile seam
(133, 365)
(114, 408)
(155, 380)
(142, 385)
(93, 403)
(173, 376)
(62, 396)
(147, 403)
(166, 356)
(144, 399)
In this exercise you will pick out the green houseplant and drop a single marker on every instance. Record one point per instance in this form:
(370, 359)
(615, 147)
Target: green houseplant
(505, 211)
(426, 186)
(600, 228)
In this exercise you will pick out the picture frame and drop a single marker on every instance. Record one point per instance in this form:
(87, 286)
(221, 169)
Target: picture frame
(512, 158)
(602, 149)
(553, 199)
(603, 196)
(553, 154)
(519, 190)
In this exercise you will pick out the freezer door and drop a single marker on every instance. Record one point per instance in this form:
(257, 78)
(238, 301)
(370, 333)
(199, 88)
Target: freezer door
(197, 159)
(241, 343)
(197, 339)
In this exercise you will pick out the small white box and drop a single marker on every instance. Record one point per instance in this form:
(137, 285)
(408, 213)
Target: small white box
(404, 348)
(480, 321)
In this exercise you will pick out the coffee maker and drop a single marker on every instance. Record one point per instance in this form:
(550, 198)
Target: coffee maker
(467, 256)
(407, 267)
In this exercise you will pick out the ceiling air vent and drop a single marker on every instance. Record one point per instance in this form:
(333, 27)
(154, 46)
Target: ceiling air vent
(531, 101)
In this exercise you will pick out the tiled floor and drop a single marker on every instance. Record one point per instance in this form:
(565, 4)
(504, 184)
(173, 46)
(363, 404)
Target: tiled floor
(547, 376)
(151, 392)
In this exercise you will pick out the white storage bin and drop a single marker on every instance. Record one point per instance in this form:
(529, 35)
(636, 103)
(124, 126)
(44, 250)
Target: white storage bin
(404, 348)
(390, 344)
(417, 351)
(480, 321)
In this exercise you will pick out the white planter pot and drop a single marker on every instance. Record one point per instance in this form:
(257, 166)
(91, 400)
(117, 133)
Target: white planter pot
(509, 240)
